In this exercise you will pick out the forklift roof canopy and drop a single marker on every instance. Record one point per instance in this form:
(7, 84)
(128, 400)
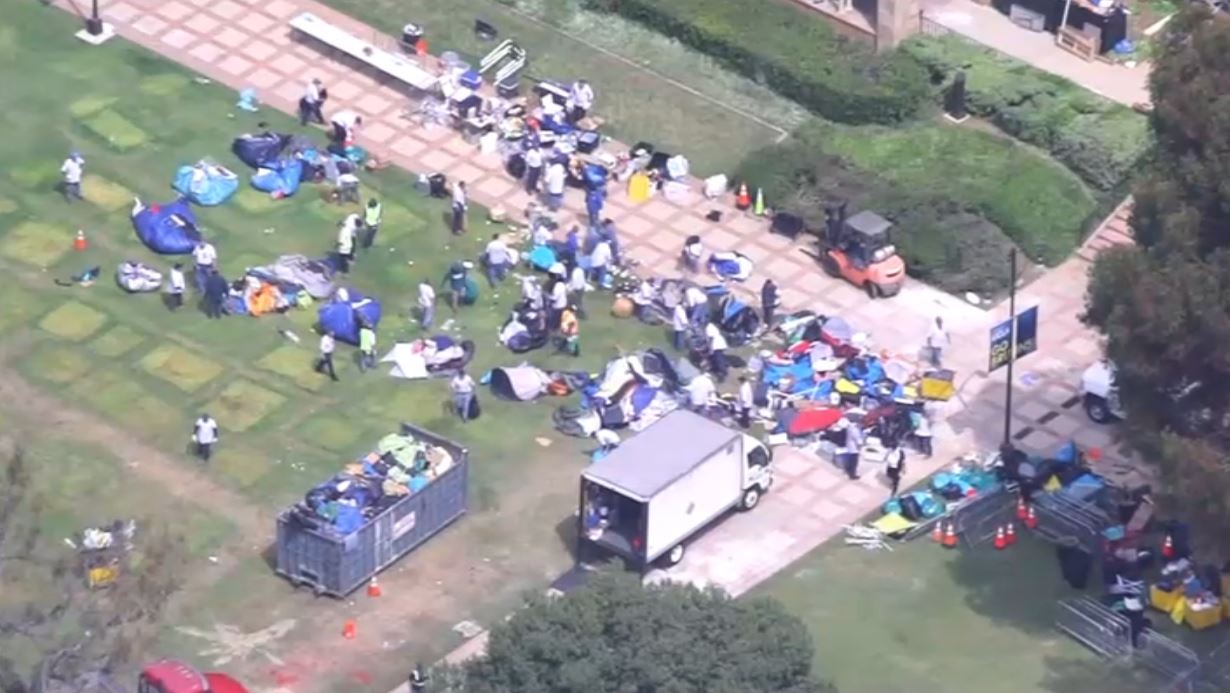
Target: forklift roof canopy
(869, 223)
(659, 455)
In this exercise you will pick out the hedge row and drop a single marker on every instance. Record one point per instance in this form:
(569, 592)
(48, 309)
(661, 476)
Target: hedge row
(1100, 140)
(799, 57)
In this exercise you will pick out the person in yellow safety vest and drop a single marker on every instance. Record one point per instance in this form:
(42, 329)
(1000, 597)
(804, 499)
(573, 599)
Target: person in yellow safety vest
(570, 331)
(372, 215)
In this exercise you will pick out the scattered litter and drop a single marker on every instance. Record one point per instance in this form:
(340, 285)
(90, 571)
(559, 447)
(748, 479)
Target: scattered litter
(291, 336)
(467, 629)
(972, 298)
(202, 80)
(71, 543)
(213, 559)
(268, 230)
(545, 442)
(869, 538)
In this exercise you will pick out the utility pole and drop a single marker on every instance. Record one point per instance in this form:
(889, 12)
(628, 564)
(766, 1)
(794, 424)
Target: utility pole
(94, 25)
(1011, 346)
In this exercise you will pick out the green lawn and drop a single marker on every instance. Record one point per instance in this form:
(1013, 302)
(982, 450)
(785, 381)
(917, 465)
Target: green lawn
(924, 620)
(680, 111)
(149, 372)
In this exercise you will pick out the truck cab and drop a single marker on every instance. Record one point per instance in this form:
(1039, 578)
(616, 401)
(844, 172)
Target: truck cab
(1101, 396)
(653, 493)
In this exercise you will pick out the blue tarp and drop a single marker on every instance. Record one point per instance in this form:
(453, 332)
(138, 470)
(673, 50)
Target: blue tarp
(642, 396)
(280, 178)
(206, 184)
(342, 317)
(168, 229)
(542, 257)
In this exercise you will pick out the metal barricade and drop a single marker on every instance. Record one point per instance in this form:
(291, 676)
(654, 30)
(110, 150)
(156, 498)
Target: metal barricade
(1062, 519)
(1216, 669)
(1096, 626)
(1178, 665)
(978, 520)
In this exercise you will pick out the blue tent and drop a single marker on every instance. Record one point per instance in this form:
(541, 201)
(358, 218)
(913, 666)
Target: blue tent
(259, 150)
(206, 184)
(342, 317)
(280, 178)
(168, 229)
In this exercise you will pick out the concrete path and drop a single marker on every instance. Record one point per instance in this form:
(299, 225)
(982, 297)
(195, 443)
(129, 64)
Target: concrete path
(982, 23)
(247, 44)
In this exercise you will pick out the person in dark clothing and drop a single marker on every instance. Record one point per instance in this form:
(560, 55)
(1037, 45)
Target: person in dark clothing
(215, 294)
(418, 679)
(768, 302)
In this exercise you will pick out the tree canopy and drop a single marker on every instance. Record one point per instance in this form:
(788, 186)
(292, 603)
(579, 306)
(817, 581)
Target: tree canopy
(615, 636)
(1164, 306)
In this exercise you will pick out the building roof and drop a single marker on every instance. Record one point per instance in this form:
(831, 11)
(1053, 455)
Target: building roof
(662, 453)
(869, 223)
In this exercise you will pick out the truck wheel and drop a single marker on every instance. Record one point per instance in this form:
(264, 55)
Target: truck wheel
(1098, 410)
(829, 265)
(674, 556)
(751, 498)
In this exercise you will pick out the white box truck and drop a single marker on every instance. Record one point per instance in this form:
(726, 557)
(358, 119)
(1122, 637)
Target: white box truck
(656, 490)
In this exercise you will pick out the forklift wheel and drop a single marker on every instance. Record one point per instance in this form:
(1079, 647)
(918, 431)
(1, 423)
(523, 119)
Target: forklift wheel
(873, 291)
(829, 265)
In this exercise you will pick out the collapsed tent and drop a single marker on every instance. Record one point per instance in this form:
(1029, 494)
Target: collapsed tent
(635, 390)
(297, 273)
(343, 314)
(731, 265)
(279, 179)
(260, 149)
(168, 229)
(738, 321)
(205, 183)
(524, 330)
(136, 277)
(519, 383)
(423, 358)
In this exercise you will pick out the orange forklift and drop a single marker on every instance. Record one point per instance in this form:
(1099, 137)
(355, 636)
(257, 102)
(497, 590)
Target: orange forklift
(860, 250)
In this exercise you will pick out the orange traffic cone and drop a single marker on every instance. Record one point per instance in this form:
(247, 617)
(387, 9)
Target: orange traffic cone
(1021, 510)
(1001, 540)
(79, 243)
(373, 588)
(1010, 535)
(1031, 519)
(1168, 548)
(350, 630)
(937, 534)
(950, 536)
(743, 201)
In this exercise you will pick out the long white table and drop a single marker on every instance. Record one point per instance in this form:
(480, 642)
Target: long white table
(396, 66)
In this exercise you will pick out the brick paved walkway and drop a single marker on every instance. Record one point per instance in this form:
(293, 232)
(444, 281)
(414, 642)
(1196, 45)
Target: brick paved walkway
(246, 43)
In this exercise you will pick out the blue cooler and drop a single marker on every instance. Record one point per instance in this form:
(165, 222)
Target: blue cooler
(470, 79)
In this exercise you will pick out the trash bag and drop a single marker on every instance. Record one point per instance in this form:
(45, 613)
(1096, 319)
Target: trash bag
(261, 149)
(168, 229)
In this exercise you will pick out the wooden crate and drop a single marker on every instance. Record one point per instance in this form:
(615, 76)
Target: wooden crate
(1077, 43)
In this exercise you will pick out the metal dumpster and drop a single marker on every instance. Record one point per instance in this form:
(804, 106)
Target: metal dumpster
(336, 565)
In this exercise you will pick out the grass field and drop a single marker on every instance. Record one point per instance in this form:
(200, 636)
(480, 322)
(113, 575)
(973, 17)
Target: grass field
(649, 87)
(144, 373)
(924, 620)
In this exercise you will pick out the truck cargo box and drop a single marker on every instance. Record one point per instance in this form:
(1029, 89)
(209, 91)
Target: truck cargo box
(334, 564)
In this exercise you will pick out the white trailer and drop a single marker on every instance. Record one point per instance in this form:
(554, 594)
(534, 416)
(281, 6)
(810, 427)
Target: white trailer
(655, 491)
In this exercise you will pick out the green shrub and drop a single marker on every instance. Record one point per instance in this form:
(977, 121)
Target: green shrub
(942, 243)
(1100, 140)
(799, 57)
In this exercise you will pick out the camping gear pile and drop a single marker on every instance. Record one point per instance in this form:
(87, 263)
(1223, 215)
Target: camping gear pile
(292, 281)
(399, 466)
(168, 229)
(136, 277)
(435, 356)
(101, 551)
(946, 490)
(633, 391)
(346, 312)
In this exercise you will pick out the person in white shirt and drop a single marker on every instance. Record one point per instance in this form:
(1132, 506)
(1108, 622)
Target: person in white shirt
(73, 169)
(497, 260)
(692, 251)
(607, 441)
(556, 179)
(543, 235)
(550, 108)
(701, 391)
(643, 299)
(347, 231)
(559, 301)
(894, 469)
(679, 326)
(204, 436)
(580, 100)
(937, 342)
(599, 262)
(462, 387)
(576, 290)
(427, 304)
(312, 102)
(175, 287)
(717, 352)
(531, 293)
(204, 258)
(460, 205)
(533, 169)
(698, 305)
(344, 125)
(324, 363)
(747, 401)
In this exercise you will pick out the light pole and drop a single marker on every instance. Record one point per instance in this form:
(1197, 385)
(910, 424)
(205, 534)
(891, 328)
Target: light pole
(94, 23)
(1011, 346)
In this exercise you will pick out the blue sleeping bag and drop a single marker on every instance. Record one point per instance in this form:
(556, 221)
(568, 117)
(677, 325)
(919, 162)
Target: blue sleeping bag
(168, 229)
(280, 179)
(342, 317)
(206, 184)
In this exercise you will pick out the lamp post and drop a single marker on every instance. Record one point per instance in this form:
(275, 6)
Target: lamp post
(1011, 346)
(94, 23)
